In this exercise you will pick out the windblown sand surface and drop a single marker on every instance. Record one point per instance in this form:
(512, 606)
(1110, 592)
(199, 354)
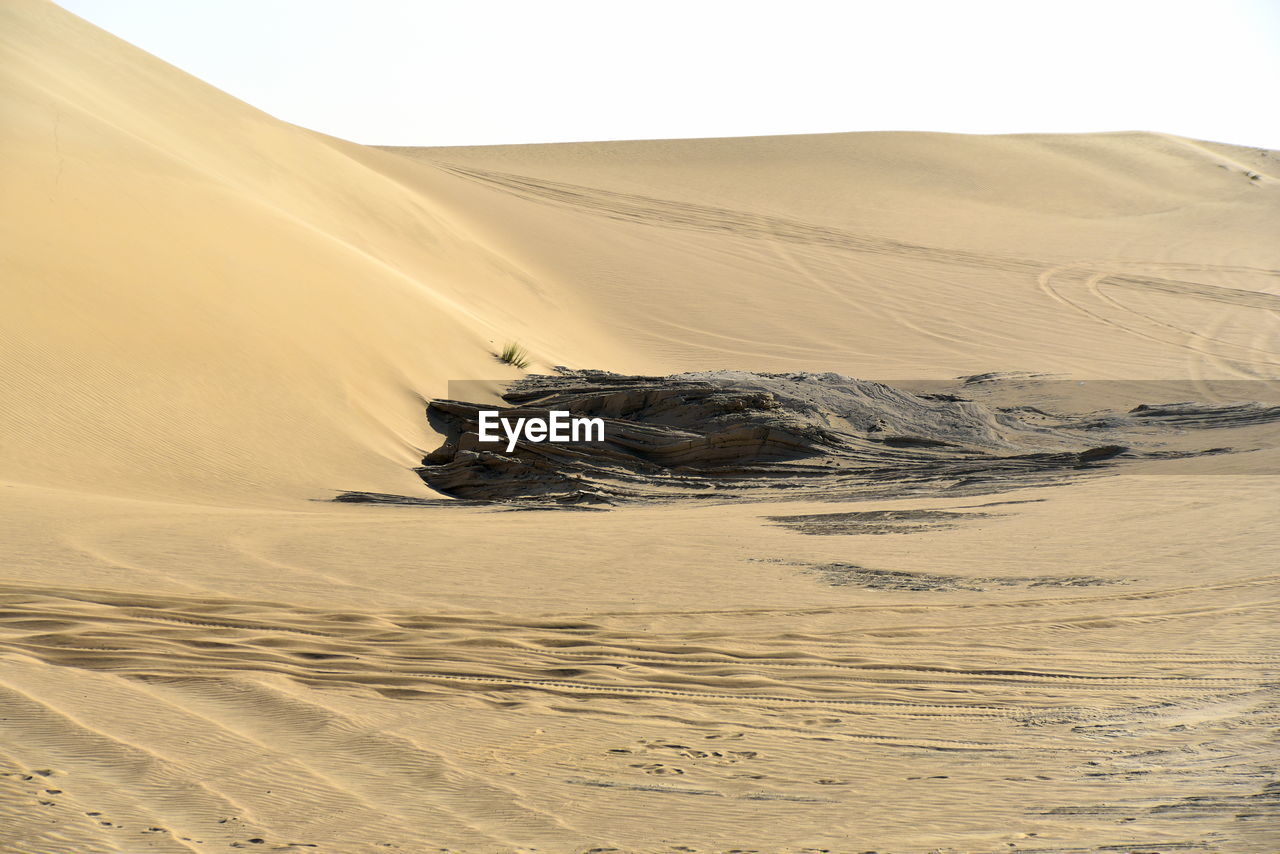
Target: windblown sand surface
(215, 323)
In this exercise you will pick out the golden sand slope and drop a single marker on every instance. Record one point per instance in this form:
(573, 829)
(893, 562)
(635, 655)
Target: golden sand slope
(892, 255)
(212, 317)
(205, 300)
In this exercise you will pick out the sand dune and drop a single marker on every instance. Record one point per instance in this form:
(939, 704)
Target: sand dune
(361, 282)
(216, 322)
(207, 299)
(931, 254)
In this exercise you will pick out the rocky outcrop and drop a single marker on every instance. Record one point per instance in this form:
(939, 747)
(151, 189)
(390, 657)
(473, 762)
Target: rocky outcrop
(727, 433)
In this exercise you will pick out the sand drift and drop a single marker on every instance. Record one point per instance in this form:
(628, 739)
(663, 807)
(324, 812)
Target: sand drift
(736, 434)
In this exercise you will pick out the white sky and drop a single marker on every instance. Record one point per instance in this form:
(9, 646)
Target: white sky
(461, 72)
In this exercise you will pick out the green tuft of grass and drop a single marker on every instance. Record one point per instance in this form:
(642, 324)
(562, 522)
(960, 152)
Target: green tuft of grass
(515, 355)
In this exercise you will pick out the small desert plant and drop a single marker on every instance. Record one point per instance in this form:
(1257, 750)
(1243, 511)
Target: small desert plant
(515, 355)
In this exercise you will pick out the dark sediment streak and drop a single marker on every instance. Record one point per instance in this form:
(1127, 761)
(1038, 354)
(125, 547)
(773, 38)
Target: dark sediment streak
(741, 435)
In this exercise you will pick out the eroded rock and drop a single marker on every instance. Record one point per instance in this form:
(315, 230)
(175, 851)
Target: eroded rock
(736, 433)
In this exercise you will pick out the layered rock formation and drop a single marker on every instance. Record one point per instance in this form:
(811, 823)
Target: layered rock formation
(725, 433)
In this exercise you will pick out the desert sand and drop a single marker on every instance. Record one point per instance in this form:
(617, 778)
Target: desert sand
(215, 323)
